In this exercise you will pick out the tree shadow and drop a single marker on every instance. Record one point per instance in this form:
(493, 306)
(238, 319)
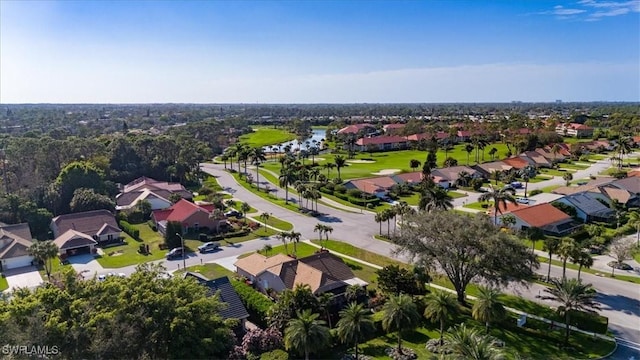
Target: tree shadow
(329, 218)
(620, 303)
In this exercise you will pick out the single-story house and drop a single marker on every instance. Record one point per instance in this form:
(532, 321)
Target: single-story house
(549, 155)
(157, 193)
(73, 242)
(536, 159)
(381, 143)
(355, 129)
(100, 225)
(234, 308)
(517, 162)
(439, 135)
(626, 191)
(546, 217)
(588, 207)
(322, 272)
(543, 198)
(451, 174)
(575, 130)
(393, 129)
(15, 241)
(380, 185)
(190, 215)
(488, 169)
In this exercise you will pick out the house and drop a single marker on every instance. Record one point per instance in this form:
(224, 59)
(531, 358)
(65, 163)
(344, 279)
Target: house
(488, 169)
(626, 191)
(393, 129)
(440, 135)
(382, 143)
(100, 225)
(451, 174)
(322, 272)
(536, 159)
(73, 242)
(588, 207)
(574, 130)
(192, 216)
(550, 155)
(157, 193)
(546, 217)
(378, 186)
(15, 241)
(234, 308)
(517, 162)
(356, 128)
(543, 198)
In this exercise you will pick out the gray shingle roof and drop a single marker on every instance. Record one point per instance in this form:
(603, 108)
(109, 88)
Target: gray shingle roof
(234, 309)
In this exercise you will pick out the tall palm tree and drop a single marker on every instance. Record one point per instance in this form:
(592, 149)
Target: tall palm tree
(440, 305)
(622, 148)
(286, 178)
(388, 214)
(340, 162)
(216, 215)
(327, 230)
(464, 178)
(525, 178)
(265, 219)
(319, 228)
(329, 166)
(402, 209)
(500, 198)
(492, 153)
(44, 251)
(257, 156)
(379, 218)
(469, 149)
(400, 313)
(306, 334)
(572, 294)
(551, 245)
(435, 198)
(582, 258)
(283, 237)
(468, 343)
(355, 323)
(295, 239)
(487, 307)
(325, 300)
(565, 250)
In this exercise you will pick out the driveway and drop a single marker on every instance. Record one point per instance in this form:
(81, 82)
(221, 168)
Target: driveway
(86, 264)
(23, 277)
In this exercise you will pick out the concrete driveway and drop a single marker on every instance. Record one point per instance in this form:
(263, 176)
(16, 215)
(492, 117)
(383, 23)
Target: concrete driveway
(86, 264)
(23, 277)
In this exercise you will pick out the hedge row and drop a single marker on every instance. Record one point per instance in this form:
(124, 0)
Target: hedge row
(356, 201)
(589, 322)
(129, 229)
(239, 233)
(256, 303)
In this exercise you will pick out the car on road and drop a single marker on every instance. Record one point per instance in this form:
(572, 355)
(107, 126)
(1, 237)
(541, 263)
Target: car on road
(175, 253)
(233, 213)
(209, 246)
(522, 200)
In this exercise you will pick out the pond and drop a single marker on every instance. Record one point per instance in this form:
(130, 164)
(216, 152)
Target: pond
(317, 135)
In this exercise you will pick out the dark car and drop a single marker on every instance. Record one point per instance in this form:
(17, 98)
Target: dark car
(209, 246)
(175, 253)
(233, 213)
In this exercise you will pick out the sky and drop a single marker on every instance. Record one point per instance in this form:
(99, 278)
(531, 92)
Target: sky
(326, 51)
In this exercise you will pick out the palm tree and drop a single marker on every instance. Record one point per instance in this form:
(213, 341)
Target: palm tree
(283, 237)
(257, 157)
(286, 178)
(230, 203)
(439, 307)
(492, 153)
(245, 207)
(340, 163)
(469, 149)
(306, 334)
(435, 198)
(324, 304)
(487, 307)
(464, 178)
(500, 197)
(244, 152)
(355, 323)
(551, 245)
(217, 214)
(319, 228)
(622, 148)
(43, 252)
(567, 178)
(525, 178)
(468, 343)
(327, 230)
(329, 167)
(295, 239)
(400, 313)
(582, 258)
(267, 249)
(572, 295)
(388, 214)
(265, 218)
(565, 250)
(414, 164)
(379, 218)
(401, 209)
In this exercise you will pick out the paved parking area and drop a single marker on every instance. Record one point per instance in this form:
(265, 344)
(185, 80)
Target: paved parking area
(23, 277)
(227, 262)
(86, 264)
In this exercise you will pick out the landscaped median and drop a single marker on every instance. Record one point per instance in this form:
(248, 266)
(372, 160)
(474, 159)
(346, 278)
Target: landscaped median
(544, 261)
(273, 221)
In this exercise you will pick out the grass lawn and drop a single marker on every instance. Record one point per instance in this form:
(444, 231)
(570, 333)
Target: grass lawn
(209, 270)
(482, 206)
(632, 279)
(549, 189)
(392, 160)
(572, 166)
(56, 267)
(554, 172)
(262, 194)
(636, 255)
(125, 255)
(364, 255)
(263, 136)
(275, 222)
(3, 283)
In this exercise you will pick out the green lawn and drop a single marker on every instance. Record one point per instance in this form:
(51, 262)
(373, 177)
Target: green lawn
(482, 206)
(554, 172)
(125, 255)
(209, 270)
(262, 194)
(56, 267)
(393, 160)
(275, 222)
(632, 279)
(263, 136)
(358, 253)
(549, 189)
(572, 166)
(3, 283)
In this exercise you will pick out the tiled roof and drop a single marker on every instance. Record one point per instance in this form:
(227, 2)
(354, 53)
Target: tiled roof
(631, 184)
(541, 215)
(372, 185)
(16, 239)
(536, 157)
(255, 263)
(329, 264)
(411, 177)
(495, 166)
(451, 173)
(233, 309)
(180, 211)
(72, 239)
(152, 184)
(88, 222)
(623, 196)
(394, 126)
(377, 140)
(353, 129)
(506, 209)
(517, 162)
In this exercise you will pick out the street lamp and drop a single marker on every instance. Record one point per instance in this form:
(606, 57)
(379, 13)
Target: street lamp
(184, 253)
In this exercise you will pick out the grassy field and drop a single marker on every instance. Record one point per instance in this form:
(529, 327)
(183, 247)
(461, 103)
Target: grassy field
(125, 255)
(3, 283)
(549, 189)
(262, 194)
(619, 276)
(275, 222)
(209, 270)
(364, 255)
(394, 160)
(263, 136)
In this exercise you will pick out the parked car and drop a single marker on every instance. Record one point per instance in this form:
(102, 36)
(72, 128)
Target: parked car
(209, 246)
(174, 253)
(521, 200)
(233, 213)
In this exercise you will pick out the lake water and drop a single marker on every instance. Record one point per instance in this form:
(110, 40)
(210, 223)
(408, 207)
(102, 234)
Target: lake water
(317, 135)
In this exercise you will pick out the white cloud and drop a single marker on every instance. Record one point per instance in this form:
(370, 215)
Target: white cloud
(561, 11)
(594, 10)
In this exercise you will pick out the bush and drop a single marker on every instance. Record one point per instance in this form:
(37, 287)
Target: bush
(589, 322)
(330, 186)
(340, 189)
(275, 355)
(205, 190)
(202, 237)
(326, 191)
(133, 232)
(535, 192)
(354, 193)
(341, 196)
(360, 202)
(239, 233)
(152, 225)
(256, 303)
(135, 217)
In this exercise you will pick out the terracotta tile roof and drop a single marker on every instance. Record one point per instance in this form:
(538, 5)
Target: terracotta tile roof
(72, 239)
(411, 177)
(577, 126)
(179, 211)
(144, 182)
(372, 185)
(353, 129)
(394, 126)
(633, 173)
(378, 140)
(516, 162)
(621, 195)
(255, 263)
(88, 222)
(505, 210)
(15, 240)
(541, 215)
(536, 157)
(452, 173)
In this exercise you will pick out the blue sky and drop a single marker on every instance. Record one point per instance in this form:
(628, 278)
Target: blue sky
(319, 51)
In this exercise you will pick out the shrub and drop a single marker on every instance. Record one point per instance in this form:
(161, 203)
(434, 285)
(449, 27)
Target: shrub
(259, 341)
(275, 355)
(535, 192)
(152, 225)
(126, 227)
(326, 191)
(256, 303)
(340, 196)
(340, 189)
(202, 237)
(135, 217)
(589, 322)
(205, 190)
(354, 193)
(330, 186)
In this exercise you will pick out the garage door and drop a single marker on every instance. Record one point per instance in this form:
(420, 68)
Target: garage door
(17, 262)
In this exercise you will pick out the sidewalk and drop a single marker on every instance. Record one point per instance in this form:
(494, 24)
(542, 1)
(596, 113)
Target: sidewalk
(599, 263)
